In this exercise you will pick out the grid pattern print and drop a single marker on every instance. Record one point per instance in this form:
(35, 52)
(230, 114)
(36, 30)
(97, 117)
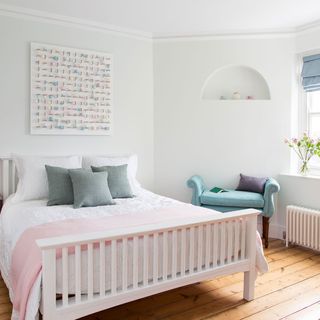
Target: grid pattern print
(71, 91)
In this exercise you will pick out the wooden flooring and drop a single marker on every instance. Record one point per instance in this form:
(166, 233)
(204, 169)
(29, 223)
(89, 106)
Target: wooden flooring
(291, 291)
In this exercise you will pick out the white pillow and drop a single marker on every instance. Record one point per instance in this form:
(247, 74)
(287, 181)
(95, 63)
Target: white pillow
(33, 182)
(130, 160)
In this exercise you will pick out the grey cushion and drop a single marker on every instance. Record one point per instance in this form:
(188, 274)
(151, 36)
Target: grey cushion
(60, 186)
(117, 180)
(251, 184)
(90, 189)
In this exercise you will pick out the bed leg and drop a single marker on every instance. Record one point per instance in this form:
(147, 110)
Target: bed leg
(250, 275)
(248, 290)
(49, 284)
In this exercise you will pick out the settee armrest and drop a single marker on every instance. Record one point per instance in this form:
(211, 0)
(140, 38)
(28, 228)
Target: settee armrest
(271, 187)
(197, 185)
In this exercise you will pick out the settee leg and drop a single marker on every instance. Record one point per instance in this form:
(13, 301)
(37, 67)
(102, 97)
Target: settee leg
(265, 231)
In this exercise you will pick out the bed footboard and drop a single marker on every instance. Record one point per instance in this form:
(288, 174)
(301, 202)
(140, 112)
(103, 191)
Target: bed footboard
(147, 260)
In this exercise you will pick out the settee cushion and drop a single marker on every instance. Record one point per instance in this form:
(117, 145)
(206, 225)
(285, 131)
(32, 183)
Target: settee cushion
(251, 184)
(233, 198)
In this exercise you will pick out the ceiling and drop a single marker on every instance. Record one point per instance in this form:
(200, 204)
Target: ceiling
(162, 18)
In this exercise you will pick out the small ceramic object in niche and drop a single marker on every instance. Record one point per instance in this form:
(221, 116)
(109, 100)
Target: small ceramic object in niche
(223, 98)
(250, 97)
(236, 96)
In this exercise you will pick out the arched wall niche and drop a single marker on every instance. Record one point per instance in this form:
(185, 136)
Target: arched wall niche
(223, 82)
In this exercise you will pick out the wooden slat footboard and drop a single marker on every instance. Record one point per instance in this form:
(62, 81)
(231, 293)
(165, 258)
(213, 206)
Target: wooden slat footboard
(172, 255)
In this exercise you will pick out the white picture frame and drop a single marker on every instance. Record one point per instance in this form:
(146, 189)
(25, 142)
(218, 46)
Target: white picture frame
(71, 91)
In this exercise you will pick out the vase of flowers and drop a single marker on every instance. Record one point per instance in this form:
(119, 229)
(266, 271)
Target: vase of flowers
(305, 148)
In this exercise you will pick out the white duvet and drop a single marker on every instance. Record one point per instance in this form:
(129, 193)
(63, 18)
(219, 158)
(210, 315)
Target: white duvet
(17, 217)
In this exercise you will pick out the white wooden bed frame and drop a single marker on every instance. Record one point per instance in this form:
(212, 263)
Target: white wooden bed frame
(235, 256)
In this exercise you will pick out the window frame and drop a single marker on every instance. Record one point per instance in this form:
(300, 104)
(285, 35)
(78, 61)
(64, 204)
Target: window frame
(304, 112)
(309, 112)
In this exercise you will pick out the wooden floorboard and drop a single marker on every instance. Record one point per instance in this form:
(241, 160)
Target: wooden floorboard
(289, 291)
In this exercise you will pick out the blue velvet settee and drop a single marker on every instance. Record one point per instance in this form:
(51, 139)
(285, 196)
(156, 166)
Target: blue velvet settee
(236, 200)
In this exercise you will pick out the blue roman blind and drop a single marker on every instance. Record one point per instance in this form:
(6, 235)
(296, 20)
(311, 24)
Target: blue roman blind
(311, 73)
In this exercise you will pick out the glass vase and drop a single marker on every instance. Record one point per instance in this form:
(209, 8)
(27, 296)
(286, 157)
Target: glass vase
(304, 168)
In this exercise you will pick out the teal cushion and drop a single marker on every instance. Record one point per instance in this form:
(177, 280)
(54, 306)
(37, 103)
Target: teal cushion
(223, 209)
(232, 198)
(117, 180)
(90, 189)
(60, 186)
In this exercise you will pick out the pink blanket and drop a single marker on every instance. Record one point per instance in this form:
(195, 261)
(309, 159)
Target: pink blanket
(26, 258)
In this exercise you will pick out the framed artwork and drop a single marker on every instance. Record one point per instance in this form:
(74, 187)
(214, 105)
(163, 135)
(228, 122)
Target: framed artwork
(71, 91)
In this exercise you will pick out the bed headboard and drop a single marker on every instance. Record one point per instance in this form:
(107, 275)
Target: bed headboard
(8, 177)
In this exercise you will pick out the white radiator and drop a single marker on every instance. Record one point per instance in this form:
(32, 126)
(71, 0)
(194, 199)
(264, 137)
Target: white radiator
(303, 227)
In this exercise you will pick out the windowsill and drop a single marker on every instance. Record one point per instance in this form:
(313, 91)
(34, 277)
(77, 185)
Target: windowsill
(300, 176)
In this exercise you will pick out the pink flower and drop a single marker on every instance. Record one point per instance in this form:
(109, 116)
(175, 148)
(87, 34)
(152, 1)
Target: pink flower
(295, 140)
(286, 140)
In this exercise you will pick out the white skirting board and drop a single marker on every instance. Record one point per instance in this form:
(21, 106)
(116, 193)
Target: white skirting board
(275, 230)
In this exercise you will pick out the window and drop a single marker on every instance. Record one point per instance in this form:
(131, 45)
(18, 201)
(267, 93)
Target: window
(313, 113)
(310, 75)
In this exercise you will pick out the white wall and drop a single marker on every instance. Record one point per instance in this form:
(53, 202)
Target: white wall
(219, 139)
(133, 93)
(308, 41)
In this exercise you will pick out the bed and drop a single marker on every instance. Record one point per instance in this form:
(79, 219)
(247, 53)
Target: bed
(148, 244)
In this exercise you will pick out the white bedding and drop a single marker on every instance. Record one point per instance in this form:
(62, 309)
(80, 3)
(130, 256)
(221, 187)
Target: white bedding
(17, 217)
